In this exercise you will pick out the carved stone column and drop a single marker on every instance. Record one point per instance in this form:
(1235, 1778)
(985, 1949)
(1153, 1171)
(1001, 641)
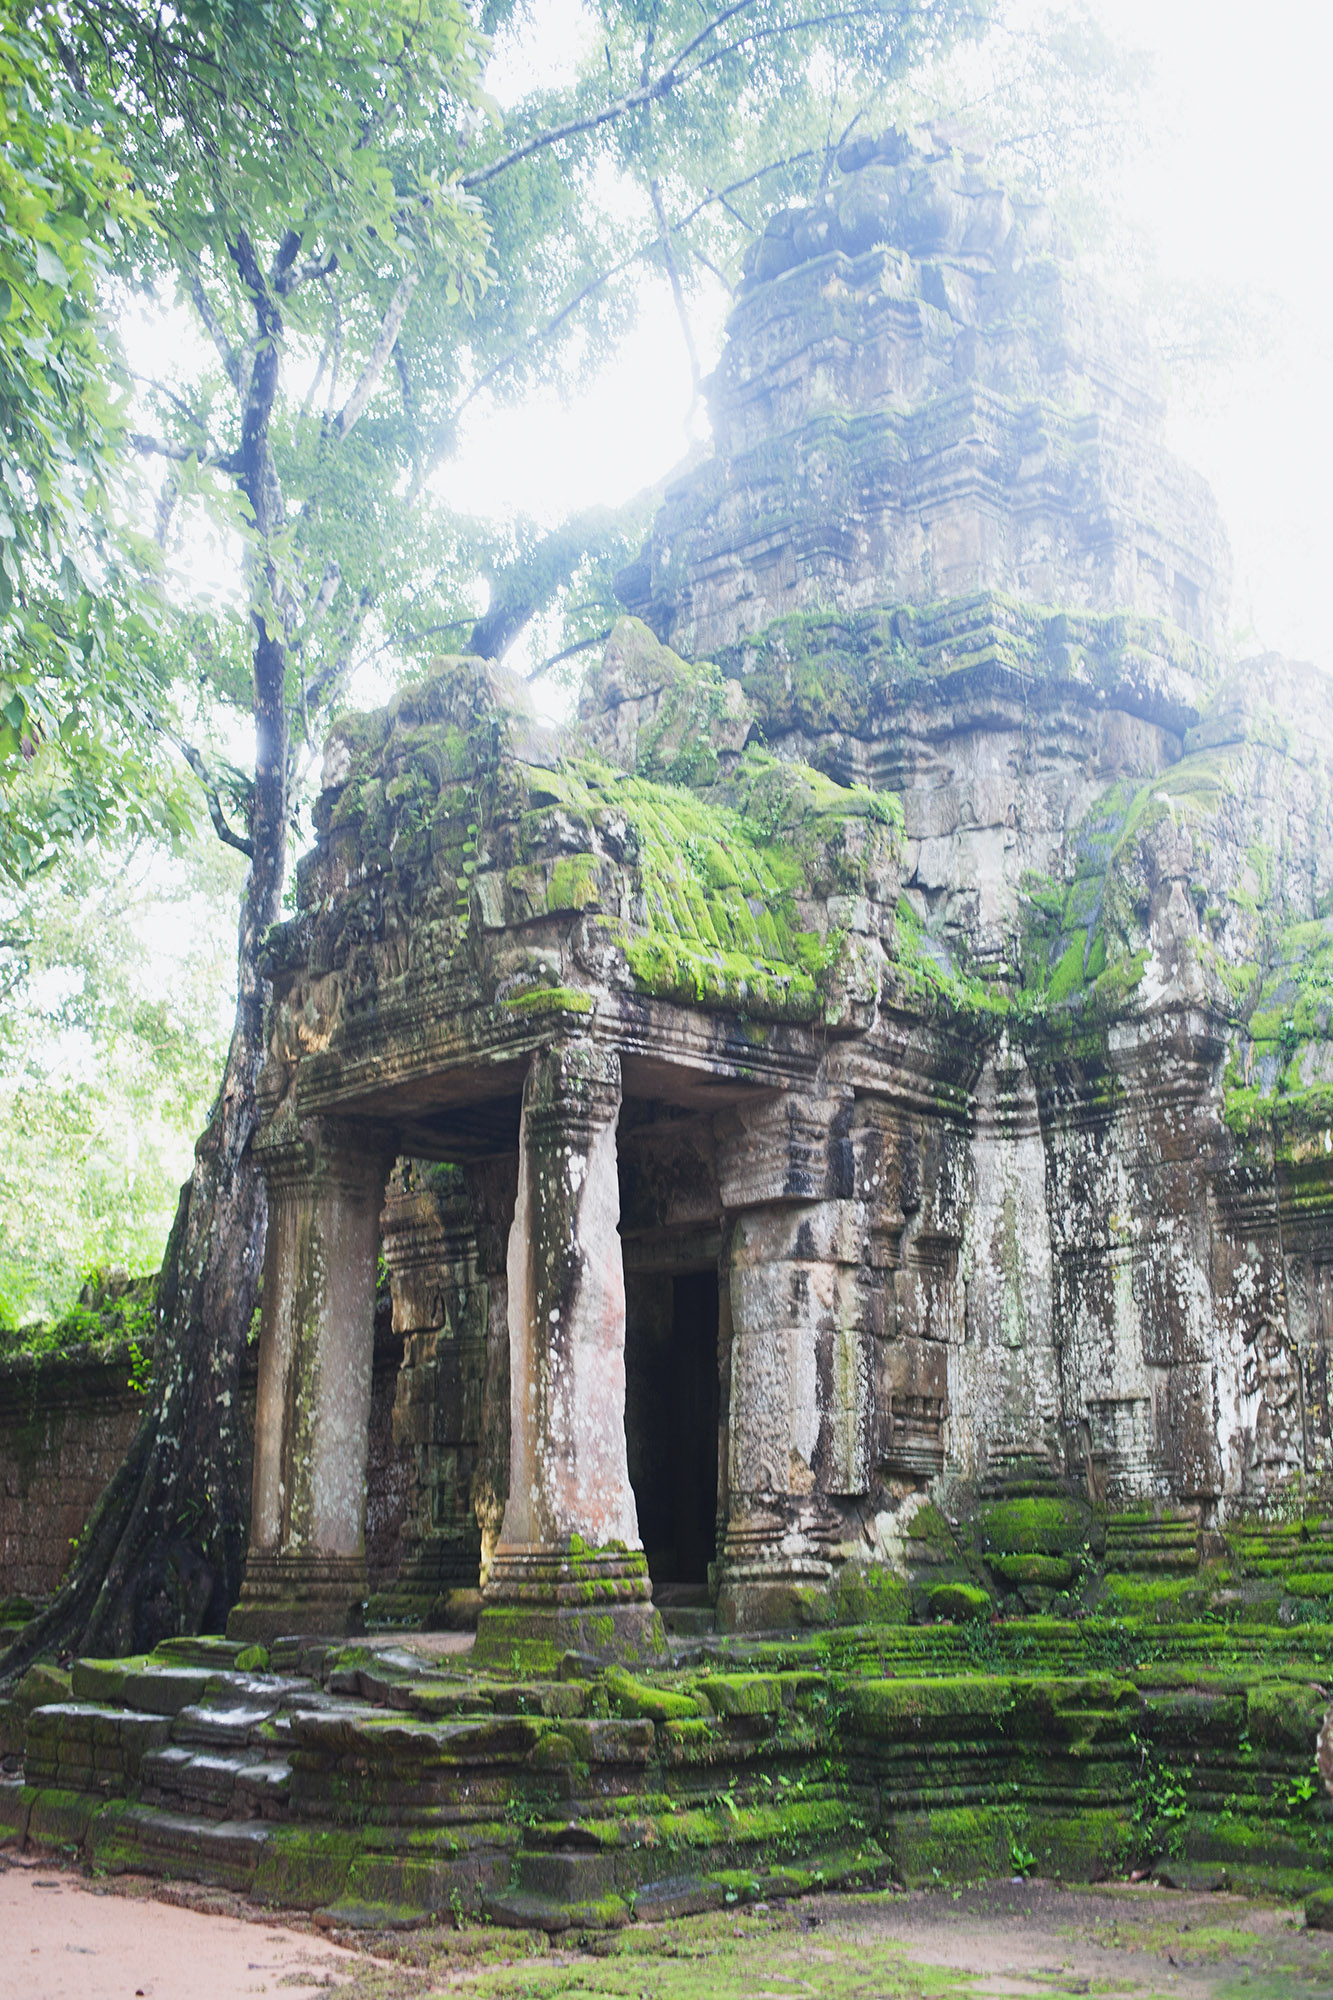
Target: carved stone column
(801, 1377)
(440, 1308)
(306, 1569)
(569, 1570)
(492, 1187)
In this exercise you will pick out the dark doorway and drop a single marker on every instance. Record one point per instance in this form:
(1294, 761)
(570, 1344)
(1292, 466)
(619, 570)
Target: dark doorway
(671, 1412)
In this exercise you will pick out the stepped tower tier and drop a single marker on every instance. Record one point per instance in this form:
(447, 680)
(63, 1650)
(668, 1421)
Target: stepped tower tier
(920, 398)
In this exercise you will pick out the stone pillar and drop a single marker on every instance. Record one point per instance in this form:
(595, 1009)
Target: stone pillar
(440, 1309)
(306, 1568)
(569, 1570)
(800, 1378)
(492, 1187)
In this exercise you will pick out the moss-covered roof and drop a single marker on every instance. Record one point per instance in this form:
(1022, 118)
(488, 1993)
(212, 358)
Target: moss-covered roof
(720, 879)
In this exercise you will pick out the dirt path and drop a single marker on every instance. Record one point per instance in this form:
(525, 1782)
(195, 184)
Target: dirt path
(65, 1938)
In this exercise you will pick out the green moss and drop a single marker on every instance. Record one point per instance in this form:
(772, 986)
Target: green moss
(509, 1639)
(957, 1602)
(1051, 1572)
(574, 883)
(742, 1694)
(1284, 1716)
(1161, 1598)
(634, 1697)
(304, 1868)
(1084, 941)
(870, 1594)
(1309, 1583)
(1033, 1526)
(1068, 974)
(815, 669)
(543, 999)
(929, 1527)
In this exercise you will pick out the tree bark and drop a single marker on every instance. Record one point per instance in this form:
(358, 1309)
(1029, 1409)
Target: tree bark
(165, 1546)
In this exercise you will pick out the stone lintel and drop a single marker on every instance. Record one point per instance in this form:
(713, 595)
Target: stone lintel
(443, 1059)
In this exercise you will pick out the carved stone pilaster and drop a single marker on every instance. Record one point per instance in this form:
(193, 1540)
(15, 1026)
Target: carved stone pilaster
(306, 1569)
(801, 1415)
(440, 1307)
(569, 1569)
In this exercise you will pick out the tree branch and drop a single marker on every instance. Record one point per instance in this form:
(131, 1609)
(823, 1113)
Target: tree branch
(324, 688)
(569, 652)
(313, 270)
(165, 510)
(677, 289)
(328, 590)
(678, 71)
(378, 358)
(714, 197)
(404, 381)
(224, 832)
(647, 93)
(180, 454)
(242, 253)
(336, 356)
(282, 269)
(204, 307)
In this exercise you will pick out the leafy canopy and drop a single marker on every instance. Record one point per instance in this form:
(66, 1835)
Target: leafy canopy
(116, 974)
(368, 242)
(77, 662)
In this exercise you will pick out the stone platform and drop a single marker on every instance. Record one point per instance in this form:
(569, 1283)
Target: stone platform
(386, 1781)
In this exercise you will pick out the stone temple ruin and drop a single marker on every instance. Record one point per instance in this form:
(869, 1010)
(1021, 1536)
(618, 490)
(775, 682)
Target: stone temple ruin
(849, 1125)
(876, 1052)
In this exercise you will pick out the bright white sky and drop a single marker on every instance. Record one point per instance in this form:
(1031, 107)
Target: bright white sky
(1234, 187)
(1237, 186)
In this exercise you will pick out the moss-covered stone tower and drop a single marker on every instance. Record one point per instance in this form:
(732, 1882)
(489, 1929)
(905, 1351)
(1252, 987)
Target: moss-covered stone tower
(873, 1068)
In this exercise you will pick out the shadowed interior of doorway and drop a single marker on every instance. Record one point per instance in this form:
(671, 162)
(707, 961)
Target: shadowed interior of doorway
(671, 1425)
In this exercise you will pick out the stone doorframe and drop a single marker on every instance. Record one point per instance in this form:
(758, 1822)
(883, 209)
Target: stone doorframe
(569, 1569)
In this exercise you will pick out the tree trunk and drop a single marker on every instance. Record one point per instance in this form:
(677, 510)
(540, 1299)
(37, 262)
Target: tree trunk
(164, 1548)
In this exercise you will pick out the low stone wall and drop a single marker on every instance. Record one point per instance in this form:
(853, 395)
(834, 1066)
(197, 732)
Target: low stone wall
(65, 1421)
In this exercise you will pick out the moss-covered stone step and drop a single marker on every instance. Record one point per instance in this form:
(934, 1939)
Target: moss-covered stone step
(236, 1783)
(212, 1722)
(157, 1687)
(126, 1839)
(90, 1746)
(1080, 1744)
(1152, 1542)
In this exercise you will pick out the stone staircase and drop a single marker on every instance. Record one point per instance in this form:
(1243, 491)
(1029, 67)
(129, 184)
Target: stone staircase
(381, 1784)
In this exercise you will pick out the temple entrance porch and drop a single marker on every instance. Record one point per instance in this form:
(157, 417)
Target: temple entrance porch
(565, 1304)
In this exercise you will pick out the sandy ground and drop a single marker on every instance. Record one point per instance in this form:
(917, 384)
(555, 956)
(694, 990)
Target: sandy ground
(1039, 1938)
(65, 1938)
